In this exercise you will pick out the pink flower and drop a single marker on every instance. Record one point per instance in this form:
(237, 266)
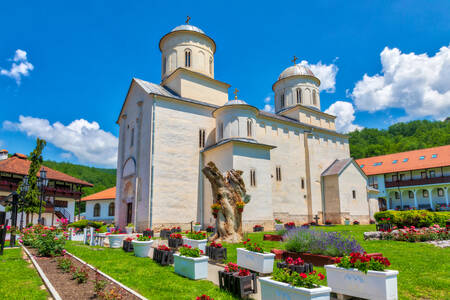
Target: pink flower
(44, 235)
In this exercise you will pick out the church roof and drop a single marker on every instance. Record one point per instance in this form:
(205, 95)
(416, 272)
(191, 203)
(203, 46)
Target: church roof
(296, 70)
(337, 166)
(188, 27)
(235, 101)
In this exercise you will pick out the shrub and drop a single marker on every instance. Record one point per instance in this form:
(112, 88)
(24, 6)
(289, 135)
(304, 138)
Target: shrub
(64, 264)
(81, 275)
(99, 284)
(188, 251)
(362, 262)
(48, 244)
(417, 218)
(81, 224)
(254, 247)
(320, 242)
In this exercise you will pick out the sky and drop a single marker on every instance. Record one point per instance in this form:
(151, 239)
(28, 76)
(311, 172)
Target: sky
(65, 67)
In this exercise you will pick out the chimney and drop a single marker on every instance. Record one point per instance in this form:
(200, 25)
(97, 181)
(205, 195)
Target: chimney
(3, 154)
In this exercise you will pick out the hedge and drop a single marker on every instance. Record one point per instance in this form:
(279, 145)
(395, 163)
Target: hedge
(85, 223)
(417, 218)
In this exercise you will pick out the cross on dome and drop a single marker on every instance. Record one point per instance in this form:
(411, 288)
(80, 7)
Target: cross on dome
(294, 59)
(187, 19)
(235, 93)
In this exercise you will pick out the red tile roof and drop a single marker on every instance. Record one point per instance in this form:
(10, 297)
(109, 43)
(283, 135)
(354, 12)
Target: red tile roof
(3, 151)
(372, 166)
(103, 195)
(18, 164)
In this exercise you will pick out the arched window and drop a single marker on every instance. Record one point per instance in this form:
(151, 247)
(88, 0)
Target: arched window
(354, 194)
(164, 65)
(299, 96)
(210, 65)
(97, 210)
(187, 58)
(132, 138)
(111, 209)
(249, 127)
(252, 177)
(282, 100)
(220, 135)
(315, 98)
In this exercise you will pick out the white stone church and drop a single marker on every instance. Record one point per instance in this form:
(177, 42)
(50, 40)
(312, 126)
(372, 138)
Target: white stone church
(295, 164)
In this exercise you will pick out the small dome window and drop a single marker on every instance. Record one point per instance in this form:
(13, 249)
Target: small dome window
(314, 97)
(299, 96)
(187, 58)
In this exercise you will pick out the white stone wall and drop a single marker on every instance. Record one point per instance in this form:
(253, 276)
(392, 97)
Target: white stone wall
(351, 180)
(289, 87)
(104, 210)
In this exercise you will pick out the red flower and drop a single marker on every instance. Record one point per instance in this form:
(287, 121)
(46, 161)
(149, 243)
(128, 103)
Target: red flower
(321, 276)
(303, 275)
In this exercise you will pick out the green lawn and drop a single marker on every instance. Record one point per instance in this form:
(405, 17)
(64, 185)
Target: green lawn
(17, 279)
(145, 276)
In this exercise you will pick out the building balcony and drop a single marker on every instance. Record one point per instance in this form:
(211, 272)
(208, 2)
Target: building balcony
(11, 186)
(422, 181)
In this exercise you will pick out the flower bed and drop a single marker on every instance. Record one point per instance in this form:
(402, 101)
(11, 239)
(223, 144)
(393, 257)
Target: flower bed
(289, 225)
(412, 234)
(417, 218)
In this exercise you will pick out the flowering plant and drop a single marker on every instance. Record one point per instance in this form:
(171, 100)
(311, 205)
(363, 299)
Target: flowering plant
(413, 234)
(278, 221)
(115, 231)
(215, 209)
(188, 251)
(297, 262)
(243, 272)
(176, 236)
(204, 297)
(130, 225)
(142, 238)
(129, 239)
(63, 223)
(257, 226)
(362, 262)
(177, 227)
(148, 229)
(163, 248)
(309, 281)
(356, 222)
(289, 224)
(215, 245)
(240, 206)
(197, 223)
(254, 247)
(196, 235)
(231, 267)
(327, 222)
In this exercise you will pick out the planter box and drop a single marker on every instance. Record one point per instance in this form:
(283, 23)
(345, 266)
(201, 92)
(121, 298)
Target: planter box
(305, 268)
(115, 240)
(164, 258)
(257, 229)
(275, 290)
(273, 237)
(127, 246)
(279, 227)
(316, 259)
(200, 244)
(209, 229)
(197, 228)
(174, 230)
(129, 230)
(164, 234)
(258, 262)
(240, 286)
(148, 233)
(225, 280)
(373, 285)
(175, 243)
(142, 248)
(216, 253)
(191, 267)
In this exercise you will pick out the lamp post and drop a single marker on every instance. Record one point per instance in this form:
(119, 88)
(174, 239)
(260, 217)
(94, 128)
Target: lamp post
(23, 192)
(42, 183)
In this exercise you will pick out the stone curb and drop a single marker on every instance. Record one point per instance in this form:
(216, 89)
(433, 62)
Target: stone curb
(47, 282)
(108, 277)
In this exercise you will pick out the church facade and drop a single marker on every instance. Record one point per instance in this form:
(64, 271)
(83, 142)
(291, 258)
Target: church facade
(295, 164)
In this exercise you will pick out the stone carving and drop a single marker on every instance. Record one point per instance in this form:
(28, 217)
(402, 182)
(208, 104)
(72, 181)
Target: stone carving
(229, 192)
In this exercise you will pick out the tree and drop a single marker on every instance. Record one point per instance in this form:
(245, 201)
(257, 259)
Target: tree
(33, 193)
(229, 196)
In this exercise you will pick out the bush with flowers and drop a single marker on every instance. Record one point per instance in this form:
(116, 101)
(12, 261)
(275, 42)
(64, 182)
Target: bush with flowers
(297, 262)
(413, 234)
(278, 221)
(254, 247)
(188, 251)
(215, 245)
(417, 218)
(309, 281)
(362, 262)
(204, 297)
(143, 238)
(196, 235)
(48, 243)
(231, 268)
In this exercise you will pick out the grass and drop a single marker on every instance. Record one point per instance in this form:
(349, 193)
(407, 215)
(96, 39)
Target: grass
(17, 279)
(145, 276)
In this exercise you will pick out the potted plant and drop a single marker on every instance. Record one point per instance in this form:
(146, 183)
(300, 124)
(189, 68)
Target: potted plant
(243, 283)
(142, 246)
(196, 240)
(128, 245)
(164, 233)
(373, 280)
(115, 238)
(175, 229)
(278, 225)
(258, 228)
(356, 222)
(197, 226)
(191, 263)
(216, 251)
(297, 265)
(148, 232)
(210, 229)
(215, 208)
(289, 225)
(175, 240)
(226, 276)
(129, 228)
(163, 255)
(204, 297)
(347, 221)
(327, 222)
(285, 284)
(252, 257)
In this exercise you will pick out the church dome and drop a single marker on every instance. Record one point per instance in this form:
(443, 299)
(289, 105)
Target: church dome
(296, 70)
(234, 102)
(187, 27)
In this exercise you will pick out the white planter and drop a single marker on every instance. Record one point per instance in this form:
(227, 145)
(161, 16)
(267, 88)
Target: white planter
(142, 248)
(191, 267)
(258, 262)
(197, 228)
(115, 240)
(200, 244)
(129, 230)
(279, 227)
(373, 285)
(275, 290)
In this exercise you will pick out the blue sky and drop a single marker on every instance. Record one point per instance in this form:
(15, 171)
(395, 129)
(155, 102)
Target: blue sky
(74, 62)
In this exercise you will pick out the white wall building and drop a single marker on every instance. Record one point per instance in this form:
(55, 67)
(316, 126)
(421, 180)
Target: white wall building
(170, 131)
(101, 206)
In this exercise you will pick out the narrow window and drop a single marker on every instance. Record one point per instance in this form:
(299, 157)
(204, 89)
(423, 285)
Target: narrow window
(425, 193)
(278, 173)
(210, 65)
(249, 128)
(354, 194)
(164, 65)
(432, 174)
(97, 210)
(299, 96)
(315, 98)
(187, 58)
(411, 194)
(440, 192)
(111, 209)
(397, 195)
(220, 135)
(252, 178)
(282, 100)
(201, 138)
(132, 138)
(303, 184)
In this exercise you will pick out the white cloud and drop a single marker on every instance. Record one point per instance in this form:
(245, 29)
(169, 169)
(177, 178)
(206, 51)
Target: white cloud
(66, 155)
(417, 83)
(345, 115)
(267, 105)
(85, 140)
(325, 73)
(20, 67)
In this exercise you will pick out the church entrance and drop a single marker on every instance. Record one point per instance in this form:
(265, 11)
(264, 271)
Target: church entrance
(382, 204)
(129, 212)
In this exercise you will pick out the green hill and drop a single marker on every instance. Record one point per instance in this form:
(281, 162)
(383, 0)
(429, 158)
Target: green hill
(399, 137)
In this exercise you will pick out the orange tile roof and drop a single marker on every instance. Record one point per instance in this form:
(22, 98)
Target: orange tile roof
(372, 166)
(103, 195)
(3, 151)
(17, 164)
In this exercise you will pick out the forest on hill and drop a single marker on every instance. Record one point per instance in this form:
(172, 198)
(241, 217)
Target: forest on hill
(399, 137)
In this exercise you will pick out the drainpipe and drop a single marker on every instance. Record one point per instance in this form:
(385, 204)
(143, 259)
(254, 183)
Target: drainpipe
(152, 161)
(308, 175)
